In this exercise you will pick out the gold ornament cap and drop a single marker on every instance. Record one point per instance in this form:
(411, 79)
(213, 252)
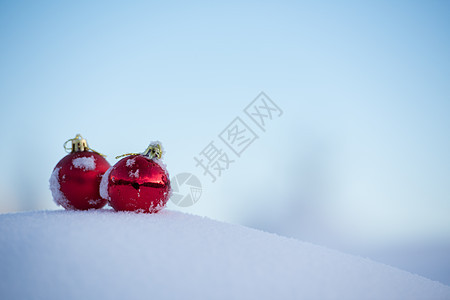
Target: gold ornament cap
(79, 144)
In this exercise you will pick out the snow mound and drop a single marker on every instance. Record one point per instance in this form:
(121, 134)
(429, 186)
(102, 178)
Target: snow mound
(170, 255)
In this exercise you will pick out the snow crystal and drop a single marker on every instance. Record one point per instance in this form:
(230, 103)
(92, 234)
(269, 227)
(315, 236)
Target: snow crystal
(104, 184)
(55, 188)
(85, 163)
(164, 167)
(160, 205)
(134, 174)
(156, 208)
(169, 192)
(130, 162)
(161, 164)
(95, 202)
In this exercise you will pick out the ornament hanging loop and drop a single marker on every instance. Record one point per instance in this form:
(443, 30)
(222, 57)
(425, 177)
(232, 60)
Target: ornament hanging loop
(126, 154)
(79, 144)
(154, 150)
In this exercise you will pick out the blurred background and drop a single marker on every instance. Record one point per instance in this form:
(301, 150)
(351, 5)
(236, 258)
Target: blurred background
(359, 161)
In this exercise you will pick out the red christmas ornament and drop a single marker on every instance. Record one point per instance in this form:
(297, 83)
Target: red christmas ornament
(138, 182)
(75, 180)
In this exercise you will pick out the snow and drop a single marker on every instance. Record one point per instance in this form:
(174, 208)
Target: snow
(161, 164)
(55, 188)
(95, 201)
(171, 255)
(104, 184)
(156, 159)
(131, 162)
(85, 163)
(164, 167)
(134, 174)
(156, 143)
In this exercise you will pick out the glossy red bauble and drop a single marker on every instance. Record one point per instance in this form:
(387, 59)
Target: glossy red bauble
(137, 183)
(75, 180)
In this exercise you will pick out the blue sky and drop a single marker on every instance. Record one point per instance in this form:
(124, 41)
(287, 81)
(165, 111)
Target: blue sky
(362, 145)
